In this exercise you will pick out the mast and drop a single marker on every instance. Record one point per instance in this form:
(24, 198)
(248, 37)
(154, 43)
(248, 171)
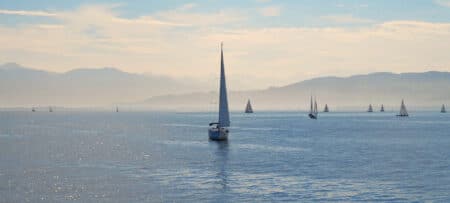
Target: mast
(224, 115)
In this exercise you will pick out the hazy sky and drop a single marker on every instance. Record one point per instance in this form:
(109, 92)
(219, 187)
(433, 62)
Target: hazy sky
(266, 42)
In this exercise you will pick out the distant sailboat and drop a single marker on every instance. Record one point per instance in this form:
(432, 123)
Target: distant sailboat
(313, 113)
(220, 130)
(33, 110)
(50, 109)
(443, 109)
(370, 110)
(326, 108)
(382, 108)
(403, 112)
(248, 108)
(117, 109)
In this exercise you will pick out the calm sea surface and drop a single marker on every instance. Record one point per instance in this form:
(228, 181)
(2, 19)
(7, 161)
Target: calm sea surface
(166, 157)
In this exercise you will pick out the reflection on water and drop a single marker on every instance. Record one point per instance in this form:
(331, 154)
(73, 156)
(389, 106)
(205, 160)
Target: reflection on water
(221, 159)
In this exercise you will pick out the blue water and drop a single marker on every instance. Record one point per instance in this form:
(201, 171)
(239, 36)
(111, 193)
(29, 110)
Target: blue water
(166, 157)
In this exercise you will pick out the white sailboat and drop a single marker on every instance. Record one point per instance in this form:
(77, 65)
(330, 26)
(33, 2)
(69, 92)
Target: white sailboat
(370, 110)
(382, 108)
(443, 109)
(326, 108)
(403, 112)
(219, 130)
(248, 108)
(313, 113)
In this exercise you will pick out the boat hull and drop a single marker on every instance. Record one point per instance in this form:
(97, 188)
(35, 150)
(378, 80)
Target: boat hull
(312, 116)
(218, 134)
(402, 115)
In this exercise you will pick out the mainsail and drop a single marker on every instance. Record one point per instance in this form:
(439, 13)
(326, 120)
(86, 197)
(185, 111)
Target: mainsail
(443, 109)
(248, 108)
(224, 115)
(403, 111)
(311, 107)
(315, 108)
(382, 108)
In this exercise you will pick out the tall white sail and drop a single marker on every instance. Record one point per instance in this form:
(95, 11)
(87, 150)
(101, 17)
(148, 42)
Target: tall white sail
(403, 111)
(248, 108)
(315, 108)
(224, 115)
(311, 107)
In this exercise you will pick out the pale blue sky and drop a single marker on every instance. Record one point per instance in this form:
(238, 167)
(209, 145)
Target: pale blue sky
(267, 42)
(294, 12)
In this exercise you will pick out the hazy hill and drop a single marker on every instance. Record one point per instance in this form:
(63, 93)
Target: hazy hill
(20, 86)
(420, 90)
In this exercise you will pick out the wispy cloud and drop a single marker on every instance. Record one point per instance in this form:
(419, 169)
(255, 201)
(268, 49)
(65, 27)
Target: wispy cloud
(270, 11)
(27, 13)
(345, 19)
(445, 3)
(97, 36)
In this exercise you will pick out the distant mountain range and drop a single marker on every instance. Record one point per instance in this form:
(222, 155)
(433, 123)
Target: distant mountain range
(26, 87)
(21, 86)
(420, 90)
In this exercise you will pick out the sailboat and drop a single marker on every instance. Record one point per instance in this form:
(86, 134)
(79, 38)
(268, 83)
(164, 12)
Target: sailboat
(33, 109)
(443, 109)
(248, 108)
(117, 109)
(326, 108)
(50, 109)
(403, 112)
(219, 130)
(382, 108)
(313, 113)
(370, 110)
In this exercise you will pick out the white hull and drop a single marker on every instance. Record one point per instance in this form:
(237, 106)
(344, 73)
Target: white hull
(218, 133)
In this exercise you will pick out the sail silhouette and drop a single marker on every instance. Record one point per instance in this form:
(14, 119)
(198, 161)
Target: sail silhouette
(313, 113)
(382, 108)
(370, 110)
(326, 108)
(403, 111)
(443, 109)
(248, 108)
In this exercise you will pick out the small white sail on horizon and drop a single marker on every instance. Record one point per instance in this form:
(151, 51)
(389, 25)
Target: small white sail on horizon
(326, 108)
(313, 112)
(370, 110)
(403, 111)
(248, 108)
(443, 109)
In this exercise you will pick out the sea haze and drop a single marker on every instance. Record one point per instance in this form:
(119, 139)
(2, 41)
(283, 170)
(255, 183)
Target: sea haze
(108, 87)
(270, 156)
